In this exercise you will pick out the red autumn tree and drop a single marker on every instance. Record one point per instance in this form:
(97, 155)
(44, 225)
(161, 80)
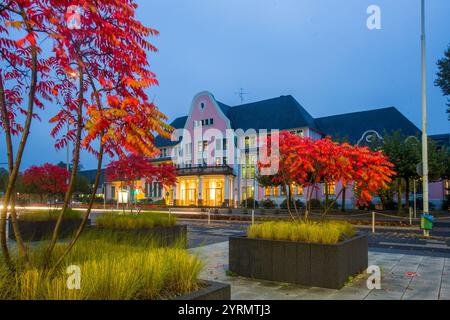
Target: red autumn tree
(129, 169)
(25, 84)
(104, 73)
(99, 70)
(48, 179)
(308, 163)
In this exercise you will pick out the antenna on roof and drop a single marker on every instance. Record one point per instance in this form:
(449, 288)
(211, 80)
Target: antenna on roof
(241, 94)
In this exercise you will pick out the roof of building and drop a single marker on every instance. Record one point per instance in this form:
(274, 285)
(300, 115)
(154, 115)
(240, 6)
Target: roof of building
(285, 112)
(352, 126)
(178, 123)
(442, 140)
(90, 175)
(278, 113)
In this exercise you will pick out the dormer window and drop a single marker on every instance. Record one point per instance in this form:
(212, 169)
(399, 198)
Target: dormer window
(202, 106)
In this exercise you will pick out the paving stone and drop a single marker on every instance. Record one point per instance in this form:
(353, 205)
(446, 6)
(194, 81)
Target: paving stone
(429, 281)
(444, 294)
(383, 294)
(351, 293)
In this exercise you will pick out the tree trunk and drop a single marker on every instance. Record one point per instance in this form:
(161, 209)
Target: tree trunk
(399, 195)
(332, 203)
(76, 159)
(88, 212)
(294, 201)
(18, 160)
(325, 188)
(407, 194)
(343, 198)
(288, 197)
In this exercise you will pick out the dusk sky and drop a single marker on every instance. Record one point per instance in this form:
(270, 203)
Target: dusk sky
(319, 51)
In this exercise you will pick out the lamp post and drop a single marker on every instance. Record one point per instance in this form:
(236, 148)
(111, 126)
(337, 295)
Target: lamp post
(424, 115)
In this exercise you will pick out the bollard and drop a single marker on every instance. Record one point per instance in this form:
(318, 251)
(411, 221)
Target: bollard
(209, 216)
(410, 215)
(373, 221)
(253, 217)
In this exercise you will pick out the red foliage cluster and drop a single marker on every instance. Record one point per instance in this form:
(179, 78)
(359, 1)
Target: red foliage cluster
(307, 163)
(46, 179)
(109, 51)
(135, 167)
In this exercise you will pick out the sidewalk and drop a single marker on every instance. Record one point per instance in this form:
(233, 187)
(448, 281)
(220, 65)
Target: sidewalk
(404, 276)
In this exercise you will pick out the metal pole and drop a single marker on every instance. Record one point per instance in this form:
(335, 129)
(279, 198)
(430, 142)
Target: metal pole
(209, 216)
(253, 216)
(410, 215)
(424, 115)
(373, 221)
(254, 189)
(415, 200)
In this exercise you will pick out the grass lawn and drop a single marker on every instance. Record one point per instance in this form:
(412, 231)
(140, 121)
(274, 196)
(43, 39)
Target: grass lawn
(109, 271)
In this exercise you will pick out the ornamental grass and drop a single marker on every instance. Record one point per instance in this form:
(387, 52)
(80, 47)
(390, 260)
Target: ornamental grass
(46, 215)
(329, 232)
(135, 221)
(109, 271)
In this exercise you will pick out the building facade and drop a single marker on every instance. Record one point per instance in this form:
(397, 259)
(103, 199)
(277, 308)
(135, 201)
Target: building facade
(215, 149)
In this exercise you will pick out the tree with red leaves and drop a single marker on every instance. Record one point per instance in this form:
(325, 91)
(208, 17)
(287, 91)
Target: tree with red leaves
(132, 168)
(118, 113)
(25, 83)
(308, 163)
(48, 179)
(98, 70)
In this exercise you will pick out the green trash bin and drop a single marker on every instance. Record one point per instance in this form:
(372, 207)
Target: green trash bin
(426, 222)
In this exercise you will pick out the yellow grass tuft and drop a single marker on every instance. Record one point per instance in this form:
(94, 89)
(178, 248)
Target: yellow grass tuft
(329, 232)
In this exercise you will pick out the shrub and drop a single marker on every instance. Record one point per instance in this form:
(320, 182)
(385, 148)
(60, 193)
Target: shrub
(315, 204)
(298, 203)
(250, 203)
(311, 232)
(135, 221)
(145, 201)
(446, 203)
(419, 204)
(268, 204)
(335, 205)
(43, 215)
(161, 202)
(110, 271)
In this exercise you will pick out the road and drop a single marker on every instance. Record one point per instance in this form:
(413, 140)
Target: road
(385, 239)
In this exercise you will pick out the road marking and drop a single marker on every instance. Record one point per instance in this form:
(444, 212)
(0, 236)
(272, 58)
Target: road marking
(427, 246)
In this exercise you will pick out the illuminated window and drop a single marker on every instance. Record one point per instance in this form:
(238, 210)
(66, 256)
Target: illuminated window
(276, 191)
(300, 190)
(267, 191)
(217, 161)
(247, 143)
(331, 188)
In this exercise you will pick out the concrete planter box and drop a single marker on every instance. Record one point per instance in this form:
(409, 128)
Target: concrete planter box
(164, 236)
(43, 229)
(314, 265)
(213, 291)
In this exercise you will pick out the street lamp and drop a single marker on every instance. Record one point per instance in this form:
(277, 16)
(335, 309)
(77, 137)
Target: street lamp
(424, 116)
